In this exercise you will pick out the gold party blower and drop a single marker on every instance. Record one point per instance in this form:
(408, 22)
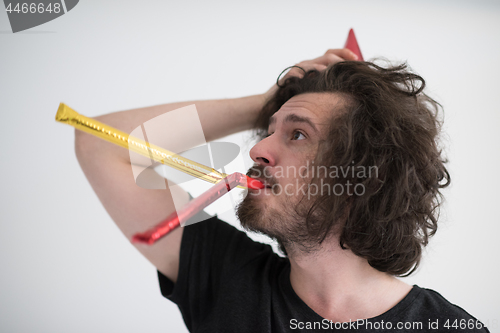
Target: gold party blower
(223, 182)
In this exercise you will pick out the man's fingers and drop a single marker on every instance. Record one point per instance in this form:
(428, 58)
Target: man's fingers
(306, 66)
(320, 67)
(330, 57)
(346, 54)
(293, 72)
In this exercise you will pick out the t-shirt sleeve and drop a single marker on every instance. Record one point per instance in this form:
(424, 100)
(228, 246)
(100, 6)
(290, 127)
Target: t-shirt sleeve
(211, 252)
(451, 318)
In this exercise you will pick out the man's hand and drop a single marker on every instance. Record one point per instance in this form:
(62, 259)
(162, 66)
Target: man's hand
(330, 57)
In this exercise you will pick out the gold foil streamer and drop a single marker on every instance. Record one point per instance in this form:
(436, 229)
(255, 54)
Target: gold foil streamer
(67, 115)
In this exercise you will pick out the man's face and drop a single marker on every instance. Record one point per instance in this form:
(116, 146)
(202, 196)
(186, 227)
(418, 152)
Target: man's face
(294, 134)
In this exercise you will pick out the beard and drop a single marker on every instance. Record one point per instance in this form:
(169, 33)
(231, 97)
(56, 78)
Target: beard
(285, 223)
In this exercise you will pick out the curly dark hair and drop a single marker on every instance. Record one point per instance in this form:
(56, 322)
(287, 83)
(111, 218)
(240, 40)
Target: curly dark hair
(387, 123)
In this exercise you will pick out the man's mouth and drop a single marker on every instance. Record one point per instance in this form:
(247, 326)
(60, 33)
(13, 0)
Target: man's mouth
(266, 184)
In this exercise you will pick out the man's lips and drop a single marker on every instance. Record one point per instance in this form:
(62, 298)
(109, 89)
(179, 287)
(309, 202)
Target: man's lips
(261, 184)
(255, 184)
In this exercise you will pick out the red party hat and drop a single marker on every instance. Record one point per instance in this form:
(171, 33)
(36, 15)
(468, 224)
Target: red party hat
(352, 44)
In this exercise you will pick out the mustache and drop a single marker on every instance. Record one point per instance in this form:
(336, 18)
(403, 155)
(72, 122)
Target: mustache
(262, 172)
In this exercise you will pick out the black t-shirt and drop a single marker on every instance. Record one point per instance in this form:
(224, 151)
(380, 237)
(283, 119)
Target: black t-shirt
(229, 283)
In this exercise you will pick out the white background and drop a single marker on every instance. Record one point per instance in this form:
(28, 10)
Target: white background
(65, 267)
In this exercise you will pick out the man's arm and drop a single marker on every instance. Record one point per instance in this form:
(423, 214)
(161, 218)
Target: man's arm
(109, 171)
(133, 208)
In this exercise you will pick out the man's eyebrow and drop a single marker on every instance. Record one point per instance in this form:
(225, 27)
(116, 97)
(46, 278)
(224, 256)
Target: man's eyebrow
(293, 118)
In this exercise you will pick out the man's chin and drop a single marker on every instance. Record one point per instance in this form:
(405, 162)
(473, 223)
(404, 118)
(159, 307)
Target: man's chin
(250, 212)
(255, 215)
(283, 225)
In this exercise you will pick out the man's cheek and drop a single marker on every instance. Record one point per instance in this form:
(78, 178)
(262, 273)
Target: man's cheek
(296, 189)
(289, 190)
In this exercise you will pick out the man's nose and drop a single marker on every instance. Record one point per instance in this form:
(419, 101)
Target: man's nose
(264, 152)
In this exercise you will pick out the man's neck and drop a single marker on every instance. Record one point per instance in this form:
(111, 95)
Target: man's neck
(340, 286)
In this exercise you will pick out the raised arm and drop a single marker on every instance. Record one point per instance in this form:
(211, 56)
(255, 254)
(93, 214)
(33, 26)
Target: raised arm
(133, 208)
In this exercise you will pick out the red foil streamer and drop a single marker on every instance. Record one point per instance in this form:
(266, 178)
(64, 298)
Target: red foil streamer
(194, 206)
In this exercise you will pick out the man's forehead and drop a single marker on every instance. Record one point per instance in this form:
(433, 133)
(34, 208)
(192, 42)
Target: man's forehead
(315, 106)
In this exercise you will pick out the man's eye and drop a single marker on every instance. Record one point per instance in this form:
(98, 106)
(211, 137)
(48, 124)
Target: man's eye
(297, 135)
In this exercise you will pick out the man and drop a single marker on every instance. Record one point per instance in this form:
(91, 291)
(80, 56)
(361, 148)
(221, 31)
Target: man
(352, 171)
